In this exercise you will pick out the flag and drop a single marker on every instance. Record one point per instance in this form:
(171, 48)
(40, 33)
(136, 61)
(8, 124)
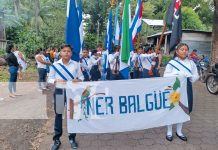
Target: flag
(174, 19)
(80, 14)
(116, 28)
(109, 35)
(136, 24)
(72, 33)
(125, 42)
(108, 40)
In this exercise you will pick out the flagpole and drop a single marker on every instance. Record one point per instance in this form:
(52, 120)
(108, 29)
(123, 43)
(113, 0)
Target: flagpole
(138, 39)
(161, 37)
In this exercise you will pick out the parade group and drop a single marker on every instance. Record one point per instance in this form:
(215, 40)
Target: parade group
(99, 65)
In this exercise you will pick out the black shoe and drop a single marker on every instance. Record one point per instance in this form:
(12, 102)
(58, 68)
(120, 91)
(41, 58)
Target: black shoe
(74, 144)
(56, 145)
(183, 137)
(169, 138)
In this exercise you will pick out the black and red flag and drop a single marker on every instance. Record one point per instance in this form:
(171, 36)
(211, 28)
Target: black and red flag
(174, 19)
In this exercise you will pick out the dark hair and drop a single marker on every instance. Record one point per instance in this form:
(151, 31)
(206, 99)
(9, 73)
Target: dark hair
(115, 48)
(178, 47)
(67, 46)
(147, 48)
(194, 50)
(94, 52)
(85, 49)
(9, 47)
(38, 51)
(99, 45)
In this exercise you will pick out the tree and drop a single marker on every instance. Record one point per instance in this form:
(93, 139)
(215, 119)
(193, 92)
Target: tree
(190, 19)
(214, 52)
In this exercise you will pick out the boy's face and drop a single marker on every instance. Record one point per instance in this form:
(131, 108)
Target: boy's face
(85, 53)
(140, 51)
(66, 53)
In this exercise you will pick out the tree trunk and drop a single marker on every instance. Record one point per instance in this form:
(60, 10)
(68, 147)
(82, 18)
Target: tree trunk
(214, 53)
(36, 15)
(16, 7)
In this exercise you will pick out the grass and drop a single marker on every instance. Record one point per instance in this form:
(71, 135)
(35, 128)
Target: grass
(30, 75)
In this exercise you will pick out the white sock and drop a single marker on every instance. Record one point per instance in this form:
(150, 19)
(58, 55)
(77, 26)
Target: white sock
(170, 130)
(179, 129)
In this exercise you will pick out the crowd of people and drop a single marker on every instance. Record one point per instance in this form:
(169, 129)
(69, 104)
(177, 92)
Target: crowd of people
(98, 65)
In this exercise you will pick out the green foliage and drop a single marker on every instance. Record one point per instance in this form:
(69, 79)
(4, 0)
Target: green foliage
(41, 23)
(28, 41)
(166, 59)
(2, 52)
(90, 41)
(191, 20)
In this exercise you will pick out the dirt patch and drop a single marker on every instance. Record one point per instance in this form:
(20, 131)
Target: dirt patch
(25, 134)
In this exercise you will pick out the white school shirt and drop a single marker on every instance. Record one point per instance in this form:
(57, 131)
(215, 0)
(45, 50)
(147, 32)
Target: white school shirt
(112, 60)
(172, 71)
(73, 67)
(39, 64)
(93, 61)
(146, 64)
(85, 64)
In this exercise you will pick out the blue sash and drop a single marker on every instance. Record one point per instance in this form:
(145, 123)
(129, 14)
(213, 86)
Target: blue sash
(149, 59)
(65, 69)
(140, 62)
(85, 61)
(183, 66)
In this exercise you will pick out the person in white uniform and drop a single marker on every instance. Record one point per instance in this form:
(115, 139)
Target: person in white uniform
(181, 65)
(61, 71)
(141, 63)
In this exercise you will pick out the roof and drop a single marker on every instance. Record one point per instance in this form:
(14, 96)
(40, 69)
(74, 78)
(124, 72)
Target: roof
(184, 30)
(152, 22)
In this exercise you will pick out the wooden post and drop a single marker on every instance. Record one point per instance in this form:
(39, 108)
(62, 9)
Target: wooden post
(161, 37)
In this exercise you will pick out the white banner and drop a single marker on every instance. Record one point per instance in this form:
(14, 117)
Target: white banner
(126, 105)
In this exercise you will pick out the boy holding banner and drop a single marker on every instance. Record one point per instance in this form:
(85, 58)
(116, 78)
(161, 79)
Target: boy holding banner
(181, 65)
(60, 72)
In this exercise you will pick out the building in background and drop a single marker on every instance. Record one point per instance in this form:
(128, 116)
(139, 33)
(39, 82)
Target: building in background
(200, 40)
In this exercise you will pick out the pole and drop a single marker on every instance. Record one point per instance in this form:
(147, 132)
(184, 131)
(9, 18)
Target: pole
(98, 33)
(161, 37)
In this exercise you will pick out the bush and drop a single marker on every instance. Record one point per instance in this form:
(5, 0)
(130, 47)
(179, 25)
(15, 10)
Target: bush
(166, 59)
(2, 52)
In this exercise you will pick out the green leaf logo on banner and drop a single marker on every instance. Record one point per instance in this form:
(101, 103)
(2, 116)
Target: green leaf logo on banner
(176, 84)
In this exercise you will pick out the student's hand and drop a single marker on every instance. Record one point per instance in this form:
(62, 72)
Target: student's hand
(117, 54)
(158, 67)
(60, 81)
(76, 80)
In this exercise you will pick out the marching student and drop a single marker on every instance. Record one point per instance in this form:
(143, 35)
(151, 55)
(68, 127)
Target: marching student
(181, 65)
(155, 62)
(94, 65)
(142, 63)
(114, 64)
(61, 71)
(84, 63)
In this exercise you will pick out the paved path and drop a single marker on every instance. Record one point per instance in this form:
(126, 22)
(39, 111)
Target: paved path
(202, 132)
